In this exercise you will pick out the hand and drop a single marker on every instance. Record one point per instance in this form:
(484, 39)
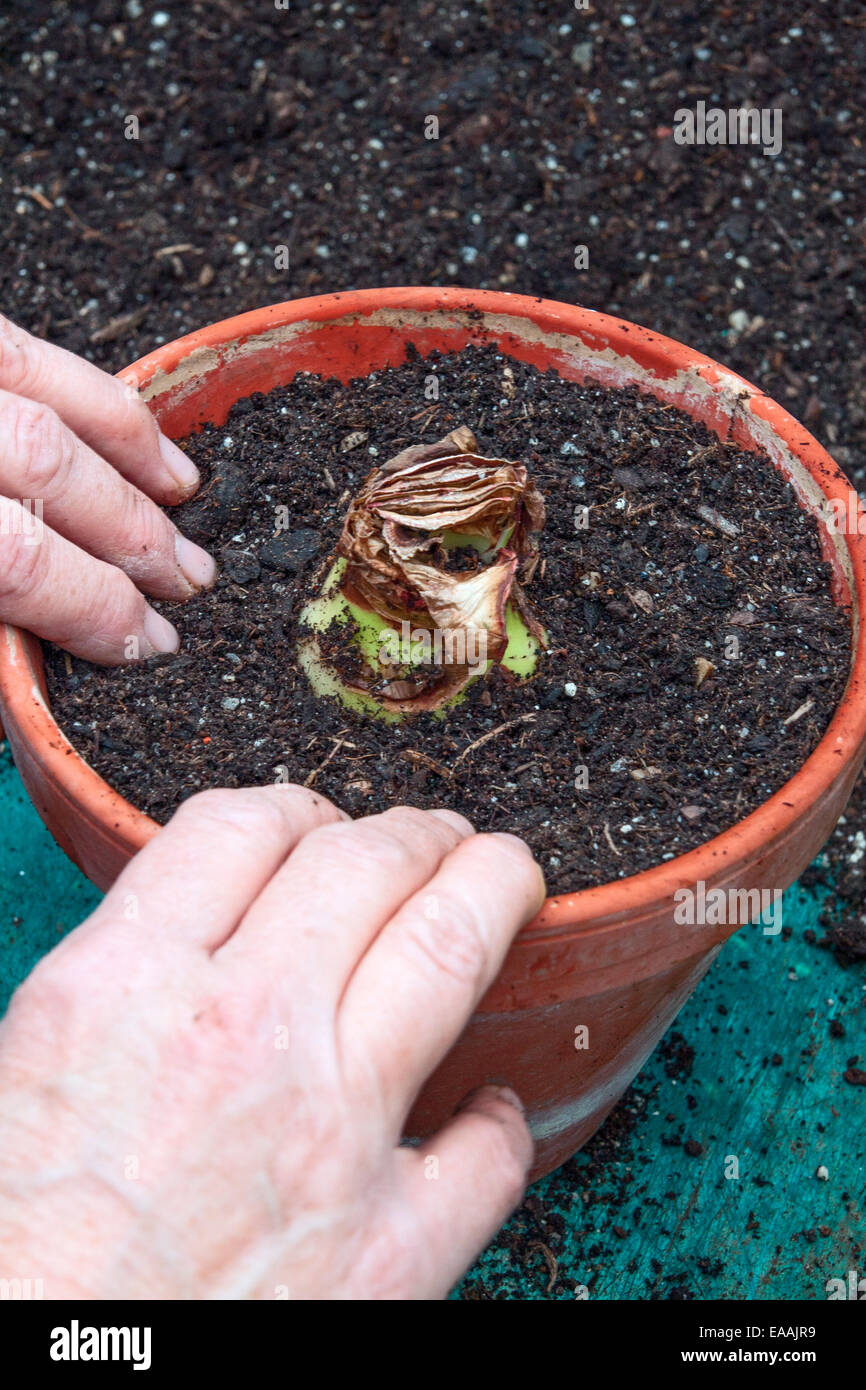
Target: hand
(85, 449)
(203, 1087)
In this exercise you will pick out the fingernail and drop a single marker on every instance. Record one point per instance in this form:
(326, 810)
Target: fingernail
(195, 564)
(181, 468)
(511, 1097)
(159, 633)
(493, 1092)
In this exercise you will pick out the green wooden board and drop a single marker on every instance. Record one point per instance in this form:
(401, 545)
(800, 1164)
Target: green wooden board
(776, 1231)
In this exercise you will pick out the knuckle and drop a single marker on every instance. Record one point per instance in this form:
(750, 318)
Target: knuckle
(304, 804)
(368, 844)
(41, 444)
(405, 818)
(386, 849)
(108, 607)
(130, 420)
(504, 850)
(415, 825)
(48, 981)
(505, 860)
(459, 824)
(54, 988)
(145, 529)
(52, 1023)
(451, 942)
(246, 810)
(21, 566)
(17, 358)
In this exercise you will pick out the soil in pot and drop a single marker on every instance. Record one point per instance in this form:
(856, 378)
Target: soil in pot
(695, 654)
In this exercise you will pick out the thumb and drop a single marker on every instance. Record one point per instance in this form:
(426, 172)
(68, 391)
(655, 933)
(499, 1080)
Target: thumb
(465, 1181)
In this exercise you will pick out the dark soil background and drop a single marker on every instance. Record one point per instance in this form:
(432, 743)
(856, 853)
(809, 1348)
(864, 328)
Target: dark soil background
(304, 128)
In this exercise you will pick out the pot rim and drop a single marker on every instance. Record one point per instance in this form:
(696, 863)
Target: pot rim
(600, 908)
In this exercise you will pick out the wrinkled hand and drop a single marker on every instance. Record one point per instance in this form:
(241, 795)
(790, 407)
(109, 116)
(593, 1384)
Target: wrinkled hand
(83, 447)
(203, 1087)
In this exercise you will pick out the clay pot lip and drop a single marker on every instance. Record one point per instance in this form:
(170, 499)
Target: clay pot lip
(608, 906)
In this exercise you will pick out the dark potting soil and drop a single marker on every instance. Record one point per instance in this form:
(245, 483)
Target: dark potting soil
(841, 869)
(621, 750)
(308, 128)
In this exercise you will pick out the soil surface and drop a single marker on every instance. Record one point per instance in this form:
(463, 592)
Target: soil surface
(695, 654)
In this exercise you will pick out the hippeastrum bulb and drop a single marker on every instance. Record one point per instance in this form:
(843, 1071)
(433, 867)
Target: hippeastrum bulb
(438, 543)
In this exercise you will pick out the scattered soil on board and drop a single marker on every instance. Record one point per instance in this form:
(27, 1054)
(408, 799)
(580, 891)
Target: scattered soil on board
(585, 1198)
(840, 869)
(695, 653)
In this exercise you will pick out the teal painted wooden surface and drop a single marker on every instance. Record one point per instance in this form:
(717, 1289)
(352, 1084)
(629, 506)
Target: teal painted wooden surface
(766, 1088)
(42, 894)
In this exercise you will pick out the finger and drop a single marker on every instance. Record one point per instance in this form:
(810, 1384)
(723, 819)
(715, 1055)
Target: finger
(463, 1183)
(414, 991)
(196, 878)
(106, 413)
(318, 915)
(84, 499)
(52, 588)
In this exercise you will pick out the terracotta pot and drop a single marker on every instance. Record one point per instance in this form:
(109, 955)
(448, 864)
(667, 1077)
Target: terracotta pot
(611, 958)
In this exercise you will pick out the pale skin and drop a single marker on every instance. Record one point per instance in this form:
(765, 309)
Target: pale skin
(86, 446)
(203, 1088)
